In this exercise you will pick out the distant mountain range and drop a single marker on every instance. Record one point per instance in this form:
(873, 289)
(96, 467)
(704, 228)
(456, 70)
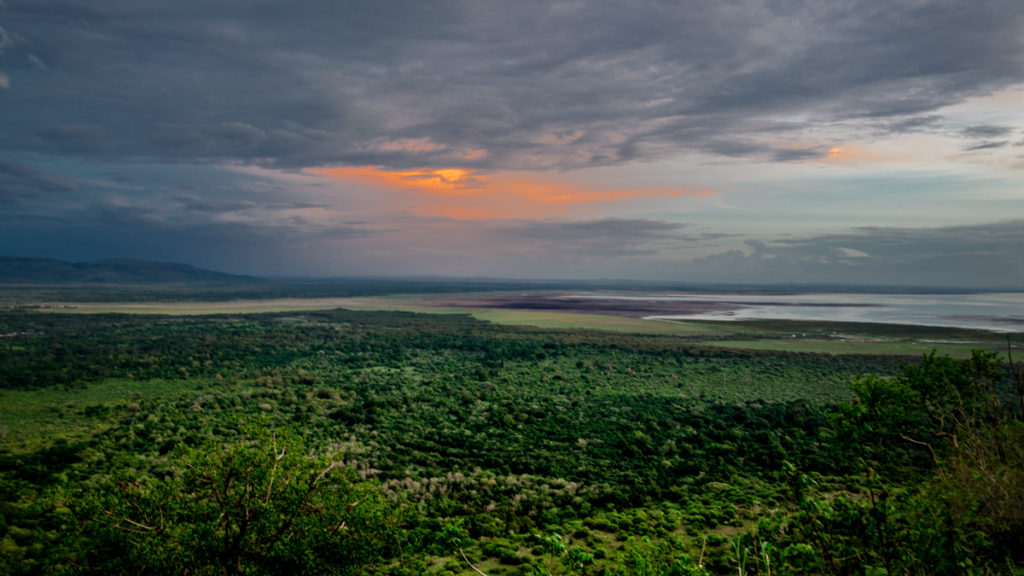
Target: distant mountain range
(112, 271)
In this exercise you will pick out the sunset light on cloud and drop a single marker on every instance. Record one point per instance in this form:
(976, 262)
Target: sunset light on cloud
(855, 153)
(468, 195)
(520, 139)
(442, 182)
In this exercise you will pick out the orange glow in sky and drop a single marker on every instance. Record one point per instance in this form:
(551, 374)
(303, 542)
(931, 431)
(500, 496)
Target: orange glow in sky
(856, 154)
(444, 182)
(467, 195)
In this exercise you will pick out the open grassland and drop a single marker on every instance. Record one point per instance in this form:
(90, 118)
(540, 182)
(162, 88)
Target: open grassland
(774, 335)
(201, 308)
(546, 319)
(403, 303)
(896, 348)
(33, 419)
(422, 304)
(863, 338)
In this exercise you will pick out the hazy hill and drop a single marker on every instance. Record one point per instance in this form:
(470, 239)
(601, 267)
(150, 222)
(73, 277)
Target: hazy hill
(112, 271)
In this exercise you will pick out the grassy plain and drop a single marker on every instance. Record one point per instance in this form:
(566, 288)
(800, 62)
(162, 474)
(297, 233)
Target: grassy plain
(33, 419)
(775, 335)
(895, 348)
(200, 308)
(539, 319)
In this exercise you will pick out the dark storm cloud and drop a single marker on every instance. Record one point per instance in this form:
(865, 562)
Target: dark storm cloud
(139, 233)
(986, 131)
(74, 140)
(226, 139)
(983, 255)
(121, 178)
(20, 182)
(315, 83)
(629, 230)
(987, 146)
(983, 134)
(232, 222)
(795, 154)
(913, 124)
(896, 244)
(609, 237)
(212, 206)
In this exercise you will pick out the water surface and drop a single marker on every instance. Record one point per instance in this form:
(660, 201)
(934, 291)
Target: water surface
(993, 311)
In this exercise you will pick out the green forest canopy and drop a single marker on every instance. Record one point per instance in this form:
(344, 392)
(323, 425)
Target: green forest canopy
(392, 443)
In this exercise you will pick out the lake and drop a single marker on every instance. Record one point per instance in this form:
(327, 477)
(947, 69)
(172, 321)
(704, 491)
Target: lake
(993, 311)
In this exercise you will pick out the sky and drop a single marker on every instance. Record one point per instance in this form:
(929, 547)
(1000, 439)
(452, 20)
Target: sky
(752, 141)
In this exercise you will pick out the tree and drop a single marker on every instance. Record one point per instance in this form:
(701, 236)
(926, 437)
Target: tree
(932, 405)
(963, 413)
(261, 506)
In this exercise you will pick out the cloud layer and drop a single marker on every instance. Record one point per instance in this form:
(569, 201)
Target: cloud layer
(485, 85)
(651, 138)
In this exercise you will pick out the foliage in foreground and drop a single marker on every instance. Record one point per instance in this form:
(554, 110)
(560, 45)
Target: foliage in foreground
(262, 505)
